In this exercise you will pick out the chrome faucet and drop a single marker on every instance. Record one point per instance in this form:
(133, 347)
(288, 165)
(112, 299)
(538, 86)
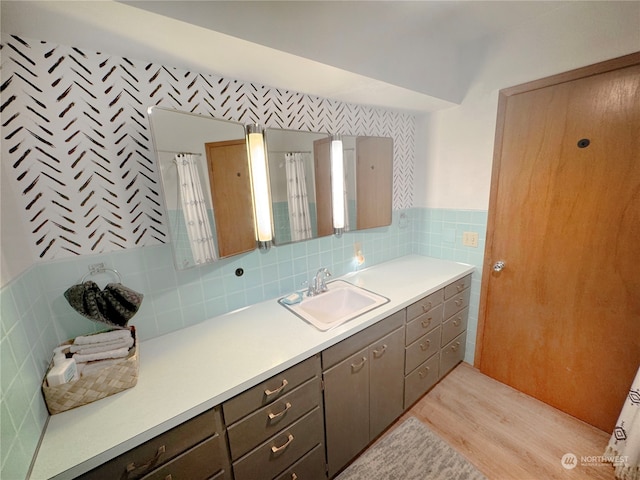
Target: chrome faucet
(317, 284)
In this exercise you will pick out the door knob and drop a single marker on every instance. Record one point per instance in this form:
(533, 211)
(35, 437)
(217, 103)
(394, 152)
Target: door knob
(498, 266)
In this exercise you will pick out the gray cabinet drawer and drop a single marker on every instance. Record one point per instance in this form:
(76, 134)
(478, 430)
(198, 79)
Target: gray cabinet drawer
(424, 323)
(424, 305)
(454, 326)
(310, 467)
(457, 287)
(282, 450)
(199, 463)
(457, 303)
(358, 341)
(418, 382)
(421, 349)
(267, 421)
(270, 390)
(452, 353)
(141, 460)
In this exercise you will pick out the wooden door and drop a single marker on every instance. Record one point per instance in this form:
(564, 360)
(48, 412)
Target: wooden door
(374, 181)
(561, 321)
(228, 166)
(322, 165)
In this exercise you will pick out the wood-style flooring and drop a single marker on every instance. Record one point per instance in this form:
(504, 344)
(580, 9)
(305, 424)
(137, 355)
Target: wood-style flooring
(507, 434)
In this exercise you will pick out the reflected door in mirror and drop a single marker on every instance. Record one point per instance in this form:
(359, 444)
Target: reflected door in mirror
(322, 165)
(228, 168)
(374, 181)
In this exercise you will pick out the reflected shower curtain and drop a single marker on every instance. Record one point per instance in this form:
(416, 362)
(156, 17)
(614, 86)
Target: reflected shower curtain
(297, 197)
(194, 208)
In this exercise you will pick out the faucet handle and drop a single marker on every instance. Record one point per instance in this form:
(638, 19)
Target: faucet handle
(321, 285)
(308, 286)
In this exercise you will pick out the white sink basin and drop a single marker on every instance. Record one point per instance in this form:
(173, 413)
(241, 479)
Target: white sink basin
(341, 303)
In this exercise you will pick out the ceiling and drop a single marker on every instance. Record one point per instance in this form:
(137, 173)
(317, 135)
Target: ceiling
(406, 55)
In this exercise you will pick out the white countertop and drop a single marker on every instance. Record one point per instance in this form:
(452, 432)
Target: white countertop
(184, 373)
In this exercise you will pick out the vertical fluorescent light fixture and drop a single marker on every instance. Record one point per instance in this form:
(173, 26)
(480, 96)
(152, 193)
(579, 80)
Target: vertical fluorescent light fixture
(260, 185)
(337, 184)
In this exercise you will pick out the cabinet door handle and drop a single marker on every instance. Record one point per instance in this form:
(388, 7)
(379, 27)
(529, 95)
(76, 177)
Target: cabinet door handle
(460, 287)
(294, 476)
(459, 302)
(136, 471)
(275, 449)
(457, 321)
(358, 366)
(455, 346)
(427, 322)
(426, 307)
(287, 406)
(378, 353)
(268, 392)
(422, 373)
(424, 346)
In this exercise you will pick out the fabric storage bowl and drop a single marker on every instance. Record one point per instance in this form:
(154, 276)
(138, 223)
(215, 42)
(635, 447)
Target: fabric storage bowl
(114, 378)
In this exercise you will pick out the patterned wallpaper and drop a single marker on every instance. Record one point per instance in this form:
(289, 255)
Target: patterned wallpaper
(76, 134)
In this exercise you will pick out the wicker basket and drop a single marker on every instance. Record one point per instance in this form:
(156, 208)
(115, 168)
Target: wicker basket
(112, 379)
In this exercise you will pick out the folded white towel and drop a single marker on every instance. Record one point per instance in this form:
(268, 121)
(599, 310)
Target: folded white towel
(111, 336)
(94, 367)
(119, 353)
(102, 347)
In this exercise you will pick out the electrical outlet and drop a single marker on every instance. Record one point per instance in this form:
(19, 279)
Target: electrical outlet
(470, 239)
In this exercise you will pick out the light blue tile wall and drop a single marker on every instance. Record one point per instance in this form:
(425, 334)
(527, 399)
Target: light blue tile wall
(36, 317)
(28, 337)
(438, 233)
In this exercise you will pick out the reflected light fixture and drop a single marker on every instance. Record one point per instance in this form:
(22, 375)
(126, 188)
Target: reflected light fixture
(337, 184)
(260, 185)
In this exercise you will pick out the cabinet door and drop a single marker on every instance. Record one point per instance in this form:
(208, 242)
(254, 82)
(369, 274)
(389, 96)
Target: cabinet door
(346, 405)
(386, 381)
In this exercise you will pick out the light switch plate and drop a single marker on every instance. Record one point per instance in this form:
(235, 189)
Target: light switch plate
(470, 239)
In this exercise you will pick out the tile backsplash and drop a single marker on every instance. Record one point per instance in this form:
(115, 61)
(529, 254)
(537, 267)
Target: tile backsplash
(36, 317)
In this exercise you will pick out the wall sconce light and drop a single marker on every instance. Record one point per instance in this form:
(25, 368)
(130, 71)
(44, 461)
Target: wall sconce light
(337, 184)
(260, 185)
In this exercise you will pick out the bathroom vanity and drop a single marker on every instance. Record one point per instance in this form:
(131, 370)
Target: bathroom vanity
(260, 393)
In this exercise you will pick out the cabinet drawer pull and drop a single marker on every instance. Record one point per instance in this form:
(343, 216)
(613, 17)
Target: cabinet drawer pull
(135, 471)
(358, 366)
(427, 322)
(268, 392)
(294, 476)
(275, 449)
(460, 287)
(459, 302)
(457, 321)
(426, 307)
(455, 346)
(168, 477)
(287, 406)
(422, 373)
(378, 353)
(424, 346)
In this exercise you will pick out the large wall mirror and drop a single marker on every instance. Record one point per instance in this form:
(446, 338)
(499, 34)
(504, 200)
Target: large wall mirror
(368, 168)
(204, 168)
(297, 193)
